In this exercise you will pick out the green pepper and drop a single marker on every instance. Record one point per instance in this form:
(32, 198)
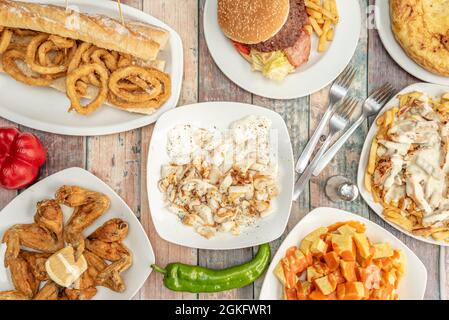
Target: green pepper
(196, 279)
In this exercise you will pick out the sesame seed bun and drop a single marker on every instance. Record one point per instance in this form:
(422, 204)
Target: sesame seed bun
(252, 21)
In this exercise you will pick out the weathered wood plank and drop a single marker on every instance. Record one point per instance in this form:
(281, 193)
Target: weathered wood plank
(382, 67)
(183, 17)
(296, 116)
(213, 86)
(346, 161)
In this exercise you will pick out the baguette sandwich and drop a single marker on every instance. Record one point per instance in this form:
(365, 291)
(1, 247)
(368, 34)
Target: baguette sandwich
(86, 56)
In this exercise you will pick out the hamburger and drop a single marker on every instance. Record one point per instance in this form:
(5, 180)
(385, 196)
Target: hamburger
(269, 34)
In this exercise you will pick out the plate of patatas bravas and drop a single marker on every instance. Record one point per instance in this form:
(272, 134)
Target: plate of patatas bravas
(404, 167)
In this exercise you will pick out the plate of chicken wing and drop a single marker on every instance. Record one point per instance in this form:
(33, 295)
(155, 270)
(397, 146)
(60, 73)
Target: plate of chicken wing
(71, 237)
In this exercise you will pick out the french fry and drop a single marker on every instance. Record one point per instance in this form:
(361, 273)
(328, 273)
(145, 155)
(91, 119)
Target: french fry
(368, 185)
(441, 235)
(393, 216)
(316, 27)
(330, 35)
(322, 43)
(334, 10)
(314, 14)
(320, 9)
(372, 157)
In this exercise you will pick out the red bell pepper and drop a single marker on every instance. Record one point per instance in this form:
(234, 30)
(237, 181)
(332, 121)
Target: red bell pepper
(21, 156)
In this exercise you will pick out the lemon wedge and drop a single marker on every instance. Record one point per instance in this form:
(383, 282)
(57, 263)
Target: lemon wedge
(62, 268)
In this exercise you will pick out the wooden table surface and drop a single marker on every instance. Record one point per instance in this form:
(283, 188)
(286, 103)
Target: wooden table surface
(120, 160)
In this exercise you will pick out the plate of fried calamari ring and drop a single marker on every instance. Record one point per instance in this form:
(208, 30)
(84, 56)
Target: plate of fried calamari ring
(87, 68)
(70, 237)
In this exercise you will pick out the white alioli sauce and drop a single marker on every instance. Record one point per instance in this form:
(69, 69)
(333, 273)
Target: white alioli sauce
(418, 161)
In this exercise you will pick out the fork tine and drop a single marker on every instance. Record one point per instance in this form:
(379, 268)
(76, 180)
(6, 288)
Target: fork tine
(347, 107)
(389, 96)
(347, 79)
(342, 80)
(351, 108)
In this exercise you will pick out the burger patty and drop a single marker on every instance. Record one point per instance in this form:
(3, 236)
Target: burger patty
(290, 32)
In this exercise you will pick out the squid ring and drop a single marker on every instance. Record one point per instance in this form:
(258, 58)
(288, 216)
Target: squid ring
(5, 39)
(73, 89)
(10, 66)
(33, 48)
(149, 80)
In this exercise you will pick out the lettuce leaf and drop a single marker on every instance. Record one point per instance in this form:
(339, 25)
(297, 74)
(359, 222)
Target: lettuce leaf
(273, 65)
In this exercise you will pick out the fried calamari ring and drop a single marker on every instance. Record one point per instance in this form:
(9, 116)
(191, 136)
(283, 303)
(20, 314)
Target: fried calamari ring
(9, 61)
(102, 57)
(76, 60)
(59, 44)
(72, 91)
(153, 84)
(5, 39)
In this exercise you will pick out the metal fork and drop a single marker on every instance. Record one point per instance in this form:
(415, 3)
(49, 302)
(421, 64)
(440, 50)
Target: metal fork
(371, 106)
(337, 93)
(337, 123)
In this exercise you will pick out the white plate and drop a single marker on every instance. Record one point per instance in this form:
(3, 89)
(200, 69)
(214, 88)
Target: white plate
(411, 287)
(383, 23)
(431, 89)
(23, 207)
(46, 109)
(220, 115)
(321, 69)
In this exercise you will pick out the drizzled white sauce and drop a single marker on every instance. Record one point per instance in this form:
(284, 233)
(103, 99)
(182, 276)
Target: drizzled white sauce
(419, 172)
(247, 139)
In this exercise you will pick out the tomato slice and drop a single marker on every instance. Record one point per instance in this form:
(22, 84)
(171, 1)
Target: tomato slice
(242, 47)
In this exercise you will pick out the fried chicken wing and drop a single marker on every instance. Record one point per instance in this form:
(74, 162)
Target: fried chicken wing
(29, 235)
(111, 231)
(50, 217)
(75, 294)
(111, 274)
(50, 291)
(22, 277)
(45, 234)
(89, 206)
(13, 295)
(97, 265)
(36, 261)
(111, 251)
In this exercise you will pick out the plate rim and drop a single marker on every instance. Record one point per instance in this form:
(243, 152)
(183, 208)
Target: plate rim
(148, 179)
(395, 50)
(279, 95)
(351, 216)
(367, 197)
(177, 58)
(83, 171)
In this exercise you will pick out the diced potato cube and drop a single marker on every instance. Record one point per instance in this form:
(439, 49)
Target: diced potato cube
(318, 295)
(344, 246)
(382, 250)
(325, 285)
(347, 269)
(313, 274)
(332, 260)
(297, 261)
(279, 273)
(318, 247)
(362, 243)
(347, 229)
(351, 291)
(303, 290)
(316, 234)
